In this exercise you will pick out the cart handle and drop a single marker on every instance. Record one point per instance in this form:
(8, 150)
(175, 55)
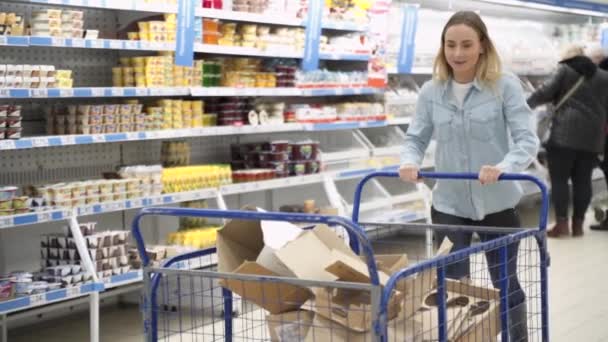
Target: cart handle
(544, 212)
(356, 235)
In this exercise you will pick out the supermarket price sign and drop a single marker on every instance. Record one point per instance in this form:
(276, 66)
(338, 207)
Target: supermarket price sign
(184, 49)
(408, 38)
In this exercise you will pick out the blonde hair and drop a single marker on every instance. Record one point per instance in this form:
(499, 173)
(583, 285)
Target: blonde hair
(489, 66)
(572, 50)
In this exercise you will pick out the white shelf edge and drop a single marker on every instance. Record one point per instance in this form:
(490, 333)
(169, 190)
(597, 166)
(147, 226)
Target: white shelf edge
(88, 139)
(86, 92)
(50, 297)
(208, 193)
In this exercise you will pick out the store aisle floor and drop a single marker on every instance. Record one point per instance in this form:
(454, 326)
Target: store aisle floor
(578, 297)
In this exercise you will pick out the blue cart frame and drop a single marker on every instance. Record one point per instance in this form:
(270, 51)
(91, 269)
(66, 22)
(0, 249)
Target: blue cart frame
(359, 242)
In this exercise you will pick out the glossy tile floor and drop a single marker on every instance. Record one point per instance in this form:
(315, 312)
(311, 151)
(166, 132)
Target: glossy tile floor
(578, 299)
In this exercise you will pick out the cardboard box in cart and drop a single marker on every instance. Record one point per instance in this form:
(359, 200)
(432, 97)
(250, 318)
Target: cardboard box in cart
(306, 326)
(473, 313)
(239, 244)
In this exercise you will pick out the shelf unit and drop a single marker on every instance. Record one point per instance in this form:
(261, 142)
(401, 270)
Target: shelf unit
(132, 143)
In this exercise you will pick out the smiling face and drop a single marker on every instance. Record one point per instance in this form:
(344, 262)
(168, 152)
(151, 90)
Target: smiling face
(462, 48)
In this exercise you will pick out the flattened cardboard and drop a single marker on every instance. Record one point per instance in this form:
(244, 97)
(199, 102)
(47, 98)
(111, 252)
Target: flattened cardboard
(305, 255)
(417, 287)
(275, 297)
(352, 269)
(289, 326)
(461, 326)
(238, 241)
(243, 240)
(324, 330)
(391, 263)
(268, 259)
(351, 309)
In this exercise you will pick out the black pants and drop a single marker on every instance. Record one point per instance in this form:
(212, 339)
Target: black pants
(565, 164)
(462, 268)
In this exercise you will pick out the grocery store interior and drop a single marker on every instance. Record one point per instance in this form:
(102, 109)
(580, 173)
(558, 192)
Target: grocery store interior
(111, 106)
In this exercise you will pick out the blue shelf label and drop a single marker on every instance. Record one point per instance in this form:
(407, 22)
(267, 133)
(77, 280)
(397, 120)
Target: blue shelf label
(184, 47)
(14, 304)
(19, 93)
(21, 144)
(313, 34)
(18, 40)
(25, 219)
(408, 39)
(53, 92)
(82, 92)
(56, 295)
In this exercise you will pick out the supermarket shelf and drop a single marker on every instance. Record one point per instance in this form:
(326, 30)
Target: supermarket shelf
(241, 188)
(343, 25)
(334, 56)
(15, 93)
(386, 151)
(19, 93)
(344, 125)
(226, 91)
(245, 51)
(250, 51)
(106, 207)
(400, 121)
(342, 91)
(114, 44)
(373, 205)
(127, 5)
(87, 139)
(128, 278)
(393, 217)
(24, 303)
(276, 92)
(34, 218)
(135, 45)
(168, 199)
(140, 6)
(136, 276)
(409, 197)
(249, 17)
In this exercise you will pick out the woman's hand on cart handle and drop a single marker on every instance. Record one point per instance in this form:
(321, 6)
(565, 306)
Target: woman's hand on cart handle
(409, 173)
(489, 174)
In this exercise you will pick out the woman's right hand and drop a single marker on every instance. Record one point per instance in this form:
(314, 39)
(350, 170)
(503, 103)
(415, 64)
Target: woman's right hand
(409, 173)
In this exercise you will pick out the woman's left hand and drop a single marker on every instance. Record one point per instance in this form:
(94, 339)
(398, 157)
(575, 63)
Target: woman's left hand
(489, 174)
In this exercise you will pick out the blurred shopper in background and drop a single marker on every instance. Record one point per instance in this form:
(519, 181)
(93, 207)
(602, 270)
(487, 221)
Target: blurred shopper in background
(599, 56)
(578, 91)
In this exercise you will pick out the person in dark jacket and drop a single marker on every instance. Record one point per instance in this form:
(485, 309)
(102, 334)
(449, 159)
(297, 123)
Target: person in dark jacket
(577, 135)
(603, 225)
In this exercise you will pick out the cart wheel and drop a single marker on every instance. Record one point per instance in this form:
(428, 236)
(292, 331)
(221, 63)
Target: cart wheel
(599, 214)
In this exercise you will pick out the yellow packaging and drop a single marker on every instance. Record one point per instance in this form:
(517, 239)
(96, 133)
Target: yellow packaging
(139, 62)
(63, 73)
(117, 81)
(143, 26)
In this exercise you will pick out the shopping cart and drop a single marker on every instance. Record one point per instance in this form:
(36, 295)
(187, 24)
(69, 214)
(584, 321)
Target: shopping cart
(185, 304)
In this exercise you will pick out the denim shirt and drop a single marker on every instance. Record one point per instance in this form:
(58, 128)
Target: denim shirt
(493, 127)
